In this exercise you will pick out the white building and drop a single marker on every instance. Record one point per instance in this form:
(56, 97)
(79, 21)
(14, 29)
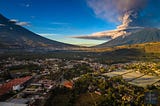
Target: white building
(17, 87)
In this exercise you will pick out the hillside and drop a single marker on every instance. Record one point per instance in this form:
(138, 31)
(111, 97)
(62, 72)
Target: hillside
(14, 36)
(151, 47)
(143, 36)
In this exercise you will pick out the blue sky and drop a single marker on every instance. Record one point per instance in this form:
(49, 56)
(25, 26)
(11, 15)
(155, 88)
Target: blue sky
(57, 19)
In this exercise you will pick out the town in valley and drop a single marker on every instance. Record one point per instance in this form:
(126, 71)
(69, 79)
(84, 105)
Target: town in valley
(40, 82)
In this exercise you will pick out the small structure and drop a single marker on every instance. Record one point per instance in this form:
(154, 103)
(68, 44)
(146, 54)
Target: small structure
(97, 92)
(68, 84)
(17, 87)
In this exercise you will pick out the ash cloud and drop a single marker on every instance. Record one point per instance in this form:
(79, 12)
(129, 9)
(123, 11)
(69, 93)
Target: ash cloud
(128, 13)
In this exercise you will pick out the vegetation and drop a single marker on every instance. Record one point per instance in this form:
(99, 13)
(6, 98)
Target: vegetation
(77, 70)
(95, 89)
(119, 54)
(26, 67)
(152, 68)
(92, 89)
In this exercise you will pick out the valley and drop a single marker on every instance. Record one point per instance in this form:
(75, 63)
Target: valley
(41, 66)
(73, 78)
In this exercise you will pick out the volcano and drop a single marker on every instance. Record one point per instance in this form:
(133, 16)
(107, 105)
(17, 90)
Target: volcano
(13, 36)
(143, 36)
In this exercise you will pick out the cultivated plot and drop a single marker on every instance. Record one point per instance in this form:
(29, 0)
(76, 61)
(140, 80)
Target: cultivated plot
(132, 75)
(157, 83)
(116, 73)
(145, 80)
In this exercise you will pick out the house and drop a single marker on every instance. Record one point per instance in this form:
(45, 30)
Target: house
(97, 92)
(14, 84)
(17, 87)
(68, 84)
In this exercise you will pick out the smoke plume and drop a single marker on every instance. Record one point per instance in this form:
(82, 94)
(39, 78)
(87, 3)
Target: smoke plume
(128, 13)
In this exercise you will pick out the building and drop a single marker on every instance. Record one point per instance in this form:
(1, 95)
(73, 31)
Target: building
(17, 87)
(68, 84)
(14, 84)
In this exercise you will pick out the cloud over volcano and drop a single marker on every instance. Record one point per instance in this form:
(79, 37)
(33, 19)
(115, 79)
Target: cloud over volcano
(131, 15)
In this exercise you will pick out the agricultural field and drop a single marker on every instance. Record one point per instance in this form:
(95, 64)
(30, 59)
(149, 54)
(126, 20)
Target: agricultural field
(157, 83)
(145, 80)
(132, 75)
(116, 73)
(135, 77)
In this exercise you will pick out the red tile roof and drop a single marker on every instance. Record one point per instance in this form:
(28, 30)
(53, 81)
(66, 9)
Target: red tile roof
(68, 84)
(8, 86)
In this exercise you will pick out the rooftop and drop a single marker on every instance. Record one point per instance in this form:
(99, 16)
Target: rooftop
(6, 87)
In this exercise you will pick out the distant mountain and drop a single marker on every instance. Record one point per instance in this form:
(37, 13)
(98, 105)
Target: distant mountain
(13, 36)
(142, 36)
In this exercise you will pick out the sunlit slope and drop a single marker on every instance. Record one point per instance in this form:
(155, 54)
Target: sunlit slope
(143, 36)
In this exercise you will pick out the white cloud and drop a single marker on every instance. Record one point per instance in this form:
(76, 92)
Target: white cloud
(23, 23)
(14, 20)
(112, 34)
(17, 22)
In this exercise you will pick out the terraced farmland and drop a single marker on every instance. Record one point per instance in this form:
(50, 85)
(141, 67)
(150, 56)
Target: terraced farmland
(135, 77)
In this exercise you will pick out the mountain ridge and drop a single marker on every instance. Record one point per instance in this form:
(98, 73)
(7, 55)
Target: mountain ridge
(143, 36)
(15, 36)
